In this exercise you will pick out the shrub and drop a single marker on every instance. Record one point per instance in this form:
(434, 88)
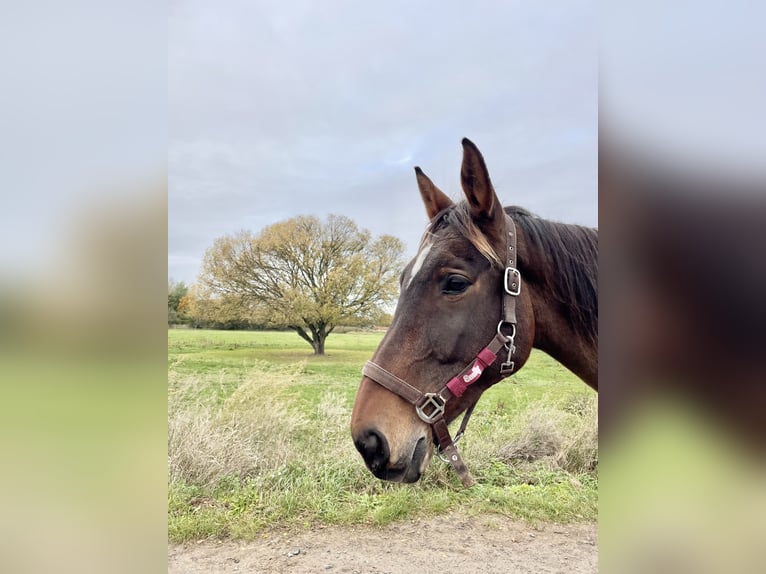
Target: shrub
(564, 438)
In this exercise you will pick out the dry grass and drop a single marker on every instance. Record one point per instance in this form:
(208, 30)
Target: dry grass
(247, 434)
(559, 437)
(335, 416)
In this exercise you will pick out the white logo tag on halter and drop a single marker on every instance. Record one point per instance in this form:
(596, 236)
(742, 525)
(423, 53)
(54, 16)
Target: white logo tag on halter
(475, 372)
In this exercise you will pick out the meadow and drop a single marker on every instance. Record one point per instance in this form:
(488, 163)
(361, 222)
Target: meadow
(258, 438)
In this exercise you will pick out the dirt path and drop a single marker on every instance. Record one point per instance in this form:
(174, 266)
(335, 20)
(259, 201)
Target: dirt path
(445, 544)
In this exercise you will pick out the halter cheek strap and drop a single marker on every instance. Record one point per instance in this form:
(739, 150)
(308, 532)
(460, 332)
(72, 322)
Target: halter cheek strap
(430, 407)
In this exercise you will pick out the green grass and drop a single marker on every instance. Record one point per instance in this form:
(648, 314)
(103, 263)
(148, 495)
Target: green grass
(240, 464)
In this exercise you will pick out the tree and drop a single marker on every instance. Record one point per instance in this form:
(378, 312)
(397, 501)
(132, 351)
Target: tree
(308, 275)
(176, 292)
(201, 309)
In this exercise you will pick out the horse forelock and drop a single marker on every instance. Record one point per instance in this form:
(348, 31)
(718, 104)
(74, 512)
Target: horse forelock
(458, 217)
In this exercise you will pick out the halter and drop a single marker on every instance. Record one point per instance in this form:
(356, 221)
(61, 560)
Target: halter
(430, 407)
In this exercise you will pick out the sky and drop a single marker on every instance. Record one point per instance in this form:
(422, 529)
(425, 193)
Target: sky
(279, 109)
(82, 125)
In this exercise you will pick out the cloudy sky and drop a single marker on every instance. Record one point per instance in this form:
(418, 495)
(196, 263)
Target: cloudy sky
(286, 108)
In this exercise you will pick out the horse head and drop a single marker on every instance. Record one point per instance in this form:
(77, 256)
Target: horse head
(450, 305)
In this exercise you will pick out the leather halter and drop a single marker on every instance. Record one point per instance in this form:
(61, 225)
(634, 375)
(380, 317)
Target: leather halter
(430, 407)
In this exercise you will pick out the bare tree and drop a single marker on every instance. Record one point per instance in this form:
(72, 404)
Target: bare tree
(308, 275)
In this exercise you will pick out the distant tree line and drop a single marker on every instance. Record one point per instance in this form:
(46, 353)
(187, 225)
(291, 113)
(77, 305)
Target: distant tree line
(177, 290)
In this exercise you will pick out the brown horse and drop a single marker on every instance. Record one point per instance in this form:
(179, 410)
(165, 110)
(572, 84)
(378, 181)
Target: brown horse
(482, 273)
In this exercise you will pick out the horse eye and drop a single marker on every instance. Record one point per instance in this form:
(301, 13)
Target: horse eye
(455, 284)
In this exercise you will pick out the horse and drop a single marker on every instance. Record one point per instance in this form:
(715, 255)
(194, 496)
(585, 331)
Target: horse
(482, 273)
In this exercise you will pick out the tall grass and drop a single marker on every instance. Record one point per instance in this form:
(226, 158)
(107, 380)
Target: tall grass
(259, 441)
(563, 437)
(251, 431)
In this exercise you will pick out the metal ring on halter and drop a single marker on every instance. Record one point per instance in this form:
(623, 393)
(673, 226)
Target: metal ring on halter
(510, 337)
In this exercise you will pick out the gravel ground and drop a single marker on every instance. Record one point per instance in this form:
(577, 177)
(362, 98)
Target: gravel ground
(484, 544)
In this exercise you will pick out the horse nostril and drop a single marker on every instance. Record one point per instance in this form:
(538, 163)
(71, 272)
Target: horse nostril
(374, 449)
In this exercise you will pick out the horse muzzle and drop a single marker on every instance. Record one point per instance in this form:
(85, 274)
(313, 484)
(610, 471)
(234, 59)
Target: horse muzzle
(376, 452)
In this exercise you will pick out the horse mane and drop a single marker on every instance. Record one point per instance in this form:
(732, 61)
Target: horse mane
(569, 256)
(570, 253)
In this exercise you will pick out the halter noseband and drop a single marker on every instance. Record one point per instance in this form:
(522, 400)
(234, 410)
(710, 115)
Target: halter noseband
(430, 407)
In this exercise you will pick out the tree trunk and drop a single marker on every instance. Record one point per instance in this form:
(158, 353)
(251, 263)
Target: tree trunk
(318, 345)
(317, 337)
(319, 333)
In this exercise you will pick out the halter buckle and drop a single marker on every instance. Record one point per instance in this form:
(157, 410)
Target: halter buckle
(512, 281)
(434, 404)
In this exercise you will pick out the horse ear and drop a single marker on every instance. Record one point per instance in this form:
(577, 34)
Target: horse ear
(433, 197)
(474, 177)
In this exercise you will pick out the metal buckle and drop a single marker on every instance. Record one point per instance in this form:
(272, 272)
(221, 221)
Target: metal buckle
(507, 367)
(512, 285)
(430, 401)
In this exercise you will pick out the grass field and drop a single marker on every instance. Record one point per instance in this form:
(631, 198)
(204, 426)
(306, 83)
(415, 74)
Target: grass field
(258, 437)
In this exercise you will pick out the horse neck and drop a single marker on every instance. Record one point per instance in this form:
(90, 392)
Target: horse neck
(555, 321)
(555, 336)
